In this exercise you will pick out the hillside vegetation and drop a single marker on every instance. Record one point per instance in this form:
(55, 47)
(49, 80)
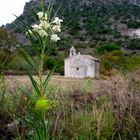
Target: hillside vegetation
(89, 25)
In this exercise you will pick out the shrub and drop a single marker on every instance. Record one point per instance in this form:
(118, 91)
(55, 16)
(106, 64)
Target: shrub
(51, 62)
(108, 47)
(18, 63)
(133, 44)
(114, 59)
(132, 62)
(117, 34)
(133, 24)
(60, 67)
(5, 58)
(7, 39)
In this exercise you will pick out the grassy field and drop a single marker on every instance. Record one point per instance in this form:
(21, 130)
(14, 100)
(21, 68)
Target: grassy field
(64, 84)
(60, 81)
(99, 109)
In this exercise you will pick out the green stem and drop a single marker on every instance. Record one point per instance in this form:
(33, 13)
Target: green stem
(41, 71)
(41, 81)
(42, 5)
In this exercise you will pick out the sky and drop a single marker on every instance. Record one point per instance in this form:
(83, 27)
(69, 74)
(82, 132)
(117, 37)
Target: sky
(10, 7)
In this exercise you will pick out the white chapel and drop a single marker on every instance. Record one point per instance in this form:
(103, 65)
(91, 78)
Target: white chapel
(81, 66)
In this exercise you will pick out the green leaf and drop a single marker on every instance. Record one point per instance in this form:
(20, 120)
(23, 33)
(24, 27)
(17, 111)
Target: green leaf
(28, 94)
(28, 28)
(40, 117)
(35, 84)
(48, 12)
(32, 36)
(36, 11)
(55, 12)
(42, 5)
(28, 59)
(39, 38)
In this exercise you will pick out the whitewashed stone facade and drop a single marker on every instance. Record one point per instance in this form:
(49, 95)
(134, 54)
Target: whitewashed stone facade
(81, 66)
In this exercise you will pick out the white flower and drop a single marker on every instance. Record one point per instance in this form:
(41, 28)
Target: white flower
(29, 32)
(42, 33)
(41, 15)
(57, 21)
(44, 24)
(57, 28)
(36, 27)
(55, 37)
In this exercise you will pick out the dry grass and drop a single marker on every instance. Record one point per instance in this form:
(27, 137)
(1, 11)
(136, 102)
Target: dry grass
(60, 81)
(99, 109)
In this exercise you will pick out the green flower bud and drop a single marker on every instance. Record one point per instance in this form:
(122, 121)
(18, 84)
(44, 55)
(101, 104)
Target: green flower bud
(43, 104)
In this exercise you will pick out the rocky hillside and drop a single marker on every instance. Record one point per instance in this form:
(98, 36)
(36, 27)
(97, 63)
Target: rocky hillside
(120, 1)
(88, 23)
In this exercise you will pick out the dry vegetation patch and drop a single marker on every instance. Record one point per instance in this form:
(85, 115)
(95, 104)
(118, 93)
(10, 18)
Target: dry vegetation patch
(98, 109)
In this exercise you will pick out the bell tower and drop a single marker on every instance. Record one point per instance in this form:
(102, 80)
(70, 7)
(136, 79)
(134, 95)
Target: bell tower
(72, 51)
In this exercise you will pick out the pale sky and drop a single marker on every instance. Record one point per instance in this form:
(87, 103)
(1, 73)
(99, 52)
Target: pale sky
(10, 7)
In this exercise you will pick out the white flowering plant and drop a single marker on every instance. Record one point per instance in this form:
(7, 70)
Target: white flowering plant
(47, 28)
(45, 31)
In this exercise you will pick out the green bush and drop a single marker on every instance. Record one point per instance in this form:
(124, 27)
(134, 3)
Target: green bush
(5, 58)
(117, 34)
(60, 67)
(133, 24)
(114, 59)
(133, 44)
(108, 47)
(133, 62)
(18, 63)
(7, 39)
(51, 62)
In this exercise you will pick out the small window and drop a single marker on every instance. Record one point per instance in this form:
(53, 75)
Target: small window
(77, 69)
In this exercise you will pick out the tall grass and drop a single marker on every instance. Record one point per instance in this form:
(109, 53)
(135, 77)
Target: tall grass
(109, 112)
